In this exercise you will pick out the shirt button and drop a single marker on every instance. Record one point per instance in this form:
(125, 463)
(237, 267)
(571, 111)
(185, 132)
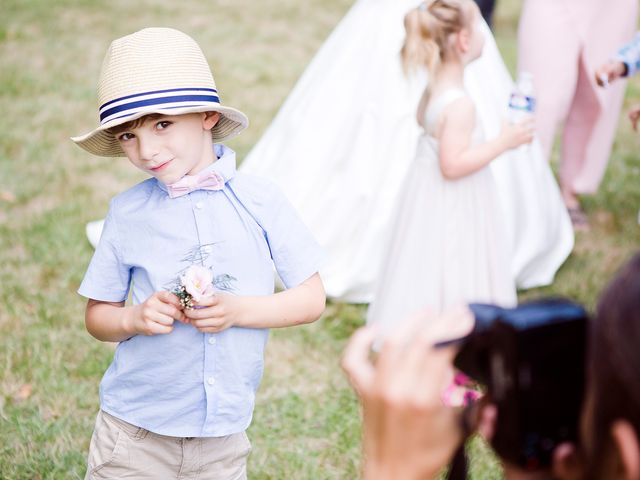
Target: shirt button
(212, 341)
(199, 205)
(211, 380)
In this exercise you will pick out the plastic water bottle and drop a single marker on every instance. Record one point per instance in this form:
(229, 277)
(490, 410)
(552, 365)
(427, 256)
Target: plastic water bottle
(522, 103)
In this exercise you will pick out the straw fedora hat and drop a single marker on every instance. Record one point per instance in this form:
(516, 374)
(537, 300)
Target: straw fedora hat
(155, 70)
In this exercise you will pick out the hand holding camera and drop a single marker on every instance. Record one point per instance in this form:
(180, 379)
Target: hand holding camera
(401, 394)
(529, 360)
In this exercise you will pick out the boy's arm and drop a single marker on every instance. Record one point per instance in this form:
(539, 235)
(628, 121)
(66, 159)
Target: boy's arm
(113, 322)
(298, 305)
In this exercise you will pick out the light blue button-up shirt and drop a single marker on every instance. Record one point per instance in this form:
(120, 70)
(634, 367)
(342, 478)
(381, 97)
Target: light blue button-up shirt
(187, 383)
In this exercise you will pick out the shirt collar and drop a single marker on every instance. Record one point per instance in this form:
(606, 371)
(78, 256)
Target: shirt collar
(225, 165)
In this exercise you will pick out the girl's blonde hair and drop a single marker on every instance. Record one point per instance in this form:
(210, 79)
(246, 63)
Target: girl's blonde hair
(428, 28)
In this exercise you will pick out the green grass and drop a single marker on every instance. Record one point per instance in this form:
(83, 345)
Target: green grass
(306, 421)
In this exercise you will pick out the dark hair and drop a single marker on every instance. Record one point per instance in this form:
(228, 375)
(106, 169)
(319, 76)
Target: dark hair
(614, 366)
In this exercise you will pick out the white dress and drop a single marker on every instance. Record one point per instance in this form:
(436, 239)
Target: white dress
(343, 140)
(448, 244)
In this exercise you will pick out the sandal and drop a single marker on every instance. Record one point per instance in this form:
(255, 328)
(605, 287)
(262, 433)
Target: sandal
(579, 219)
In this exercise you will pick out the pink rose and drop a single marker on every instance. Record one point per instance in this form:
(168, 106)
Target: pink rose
(198, 282)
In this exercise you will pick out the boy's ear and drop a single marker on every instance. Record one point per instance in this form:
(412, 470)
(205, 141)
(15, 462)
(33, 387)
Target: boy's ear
(210, 119)
(628, 447)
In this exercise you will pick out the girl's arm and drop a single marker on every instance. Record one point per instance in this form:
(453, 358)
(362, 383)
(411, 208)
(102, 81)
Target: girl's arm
(295, 306)
(458, 157)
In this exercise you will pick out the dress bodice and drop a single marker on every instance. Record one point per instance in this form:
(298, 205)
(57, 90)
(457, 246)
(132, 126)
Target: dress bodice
(434, 109)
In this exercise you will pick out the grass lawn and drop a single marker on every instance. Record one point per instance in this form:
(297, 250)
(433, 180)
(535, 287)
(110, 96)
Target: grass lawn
(306, 422)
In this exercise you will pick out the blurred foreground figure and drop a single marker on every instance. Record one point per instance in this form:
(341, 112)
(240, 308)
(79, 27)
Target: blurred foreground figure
(410, 433)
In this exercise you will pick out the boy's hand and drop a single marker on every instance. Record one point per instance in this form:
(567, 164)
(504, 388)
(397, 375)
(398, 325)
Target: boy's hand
(609, 72)
(218, 312)
(156, 315)
(634, 116)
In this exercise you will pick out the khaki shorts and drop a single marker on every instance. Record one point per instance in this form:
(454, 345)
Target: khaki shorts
(121, 450)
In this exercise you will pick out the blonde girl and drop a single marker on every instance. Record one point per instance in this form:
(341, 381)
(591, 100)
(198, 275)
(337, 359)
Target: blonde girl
(448, 244)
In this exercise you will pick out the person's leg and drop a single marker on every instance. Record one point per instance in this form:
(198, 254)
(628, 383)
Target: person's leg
(593, 116)
(549, 50)
(584, 114)
(587, 152)
(486, 8)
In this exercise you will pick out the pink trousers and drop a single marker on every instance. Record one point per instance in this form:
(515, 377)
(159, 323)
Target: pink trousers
(562, 43)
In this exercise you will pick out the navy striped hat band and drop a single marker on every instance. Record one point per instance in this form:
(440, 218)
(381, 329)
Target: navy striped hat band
(161, 99)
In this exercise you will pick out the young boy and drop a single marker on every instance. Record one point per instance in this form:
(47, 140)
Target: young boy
(179, 395)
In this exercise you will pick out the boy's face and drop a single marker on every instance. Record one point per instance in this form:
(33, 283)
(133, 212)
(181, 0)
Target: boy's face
(170, 147)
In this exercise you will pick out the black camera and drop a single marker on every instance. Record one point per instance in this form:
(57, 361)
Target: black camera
(531, 359)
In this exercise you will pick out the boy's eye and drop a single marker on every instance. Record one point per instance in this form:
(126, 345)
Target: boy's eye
(123, 137)
(162, 125)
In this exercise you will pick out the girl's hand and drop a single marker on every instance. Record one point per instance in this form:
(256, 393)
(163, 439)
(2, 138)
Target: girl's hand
(216, 313)
(634, 116)
(515, 134)
(609, 72)
(156, 315)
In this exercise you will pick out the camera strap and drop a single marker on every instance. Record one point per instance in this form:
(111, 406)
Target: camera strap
(458, 469)
(459, 466)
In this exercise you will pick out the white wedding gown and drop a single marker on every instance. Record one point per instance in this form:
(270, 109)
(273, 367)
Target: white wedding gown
(343, 140)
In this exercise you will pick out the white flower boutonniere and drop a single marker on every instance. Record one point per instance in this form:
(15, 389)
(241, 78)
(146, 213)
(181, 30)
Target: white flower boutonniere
(195, 284)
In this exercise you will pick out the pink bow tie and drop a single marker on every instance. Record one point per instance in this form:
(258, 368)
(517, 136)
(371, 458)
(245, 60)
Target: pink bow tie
(190, 183)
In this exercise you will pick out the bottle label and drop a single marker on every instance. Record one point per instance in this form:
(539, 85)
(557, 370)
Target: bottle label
(522, 102)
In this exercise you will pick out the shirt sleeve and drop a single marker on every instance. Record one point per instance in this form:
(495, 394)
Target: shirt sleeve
(630, 55)
(108, 278)
(295, 252)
